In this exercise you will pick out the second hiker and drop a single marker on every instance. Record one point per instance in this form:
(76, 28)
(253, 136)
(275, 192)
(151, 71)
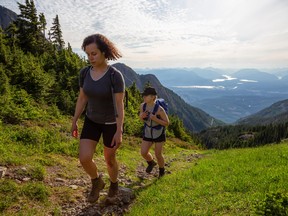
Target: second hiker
(155, 120)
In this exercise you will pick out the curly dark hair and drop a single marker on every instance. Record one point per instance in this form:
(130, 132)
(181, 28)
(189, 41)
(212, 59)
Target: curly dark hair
(104, 45)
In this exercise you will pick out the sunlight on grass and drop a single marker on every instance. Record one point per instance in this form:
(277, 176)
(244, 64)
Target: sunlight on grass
(226, 182)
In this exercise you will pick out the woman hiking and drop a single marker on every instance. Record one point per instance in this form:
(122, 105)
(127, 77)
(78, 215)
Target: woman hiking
(155, 120)
(104, 105)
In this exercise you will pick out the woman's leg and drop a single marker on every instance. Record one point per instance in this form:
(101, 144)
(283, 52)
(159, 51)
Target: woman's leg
(145, 147)
(112, 164)
(159, 154)
(113, 169)
(86, 151)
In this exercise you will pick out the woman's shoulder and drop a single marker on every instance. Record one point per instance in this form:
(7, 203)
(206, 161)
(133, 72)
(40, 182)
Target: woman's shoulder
(160, 109)
(84, 70)
(114, 70)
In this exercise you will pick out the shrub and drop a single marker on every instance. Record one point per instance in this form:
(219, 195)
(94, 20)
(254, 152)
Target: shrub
(275, 203)
(37, 173)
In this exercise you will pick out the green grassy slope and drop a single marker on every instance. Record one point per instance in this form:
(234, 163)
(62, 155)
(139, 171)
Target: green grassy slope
(42, 167)
(230, 182)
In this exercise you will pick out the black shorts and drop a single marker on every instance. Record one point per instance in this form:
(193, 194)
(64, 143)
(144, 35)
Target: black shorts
(93, 131)
(161, 138)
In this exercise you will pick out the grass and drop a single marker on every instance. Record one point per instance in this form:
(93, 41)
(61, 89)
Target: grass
(227, 182)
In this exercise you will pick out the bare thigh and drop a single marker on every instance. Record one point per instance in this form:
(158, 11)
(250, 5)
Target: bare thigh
(145, 147)
(159, 148)
(86, 149)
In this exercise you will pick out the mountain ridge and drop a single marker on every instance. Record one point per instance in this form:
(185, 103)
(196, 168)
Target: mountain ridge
(6, 17)
(193, 118)
(225, 96)
(274, 114)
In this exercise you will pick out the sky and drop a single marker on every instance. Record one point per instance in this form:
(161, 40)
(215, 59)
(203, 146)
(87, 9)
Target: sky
(178, 33)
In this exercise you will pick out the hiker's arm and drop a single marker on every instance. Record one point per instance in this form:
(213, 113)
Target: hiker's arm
(119, 99)
(163, 120)
(80, 106)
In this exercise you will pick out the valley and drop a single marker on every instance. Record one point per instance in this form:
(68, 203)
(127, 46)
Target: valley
(225, 97)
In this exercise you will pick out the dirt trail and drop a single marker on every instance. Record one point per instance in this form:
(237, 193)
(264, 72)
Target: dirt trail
(119, 205)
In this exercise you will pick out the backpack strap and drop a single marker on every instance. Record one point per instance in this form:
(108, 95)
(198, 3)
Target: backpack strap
(155, 109)
(144, 107)
(112, 79)
(84, 73)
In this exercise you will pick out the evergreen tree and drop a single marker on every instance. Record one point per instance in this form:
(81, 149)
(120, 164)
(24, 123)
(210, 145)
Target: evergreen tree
(43, 23)
(12, 34)
(28, 27)
(56, 34)
(3, 48)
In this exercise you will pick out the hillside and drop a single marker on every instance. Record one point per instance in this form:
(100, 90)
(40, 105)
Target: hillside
(274, 114)
(6, 17)
(193, 118)
(43, 176)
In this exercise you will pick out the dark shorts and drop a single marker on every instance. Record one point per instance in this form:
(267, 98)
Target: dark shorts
(161, 138)
(93, 131)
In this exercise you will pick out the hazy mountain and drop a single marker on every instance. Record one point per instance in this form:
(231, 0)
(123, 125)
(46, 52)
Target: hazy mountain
(279, 72)
(193, 118)
(183, 76)
(6, 17)
(208, 73)
(276, 113)
(285, 78)
(255, 75)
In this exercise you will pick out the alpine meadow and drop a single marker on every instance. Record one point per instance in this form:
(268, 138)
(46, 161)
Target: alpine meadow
(212, 168)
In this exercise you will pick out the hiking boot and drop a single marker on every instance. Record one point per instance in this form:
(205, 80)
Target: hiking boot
(161, 172)
(150, 166)
(113, 189)
(97, 185)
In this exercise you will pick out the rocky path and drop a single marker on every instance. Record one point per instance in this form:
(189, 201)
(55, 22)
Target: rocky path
(117, 206)
(121, 204)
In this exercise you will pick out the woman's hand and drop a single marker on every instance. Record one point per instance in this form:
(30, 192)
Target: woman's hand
(153, 117)
(117, 139)
(74, 130)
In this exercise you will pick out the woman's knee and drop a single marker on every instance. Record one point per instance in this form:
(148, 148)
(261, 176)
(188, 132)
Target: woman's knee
(144, 152)
(111, 162)
(158, 154)
(85, 159)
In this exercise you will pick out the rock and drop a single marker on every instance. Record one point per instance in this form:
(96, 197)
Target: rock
(60, 180)
(2, 171)
(26, 179)
(125, 196)
(74, 187)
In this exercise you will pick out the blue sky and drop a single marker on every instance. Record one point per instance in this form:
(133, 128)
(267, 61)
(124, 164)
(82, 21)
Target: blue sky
(178, 33)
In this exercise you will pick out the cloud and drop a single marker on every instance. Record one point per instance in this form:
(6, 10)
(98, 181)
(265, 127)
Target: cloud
(183, 33)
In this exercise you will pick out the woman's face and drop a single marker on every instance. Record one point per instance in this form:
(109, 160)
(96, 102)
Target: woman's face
(95, 56)
(148, 98)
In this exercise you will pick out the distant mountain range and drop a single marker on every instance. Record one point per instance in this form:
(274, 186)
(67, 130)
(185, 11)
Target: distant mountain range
(276, 113)
(225, 96)
(193, 118)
